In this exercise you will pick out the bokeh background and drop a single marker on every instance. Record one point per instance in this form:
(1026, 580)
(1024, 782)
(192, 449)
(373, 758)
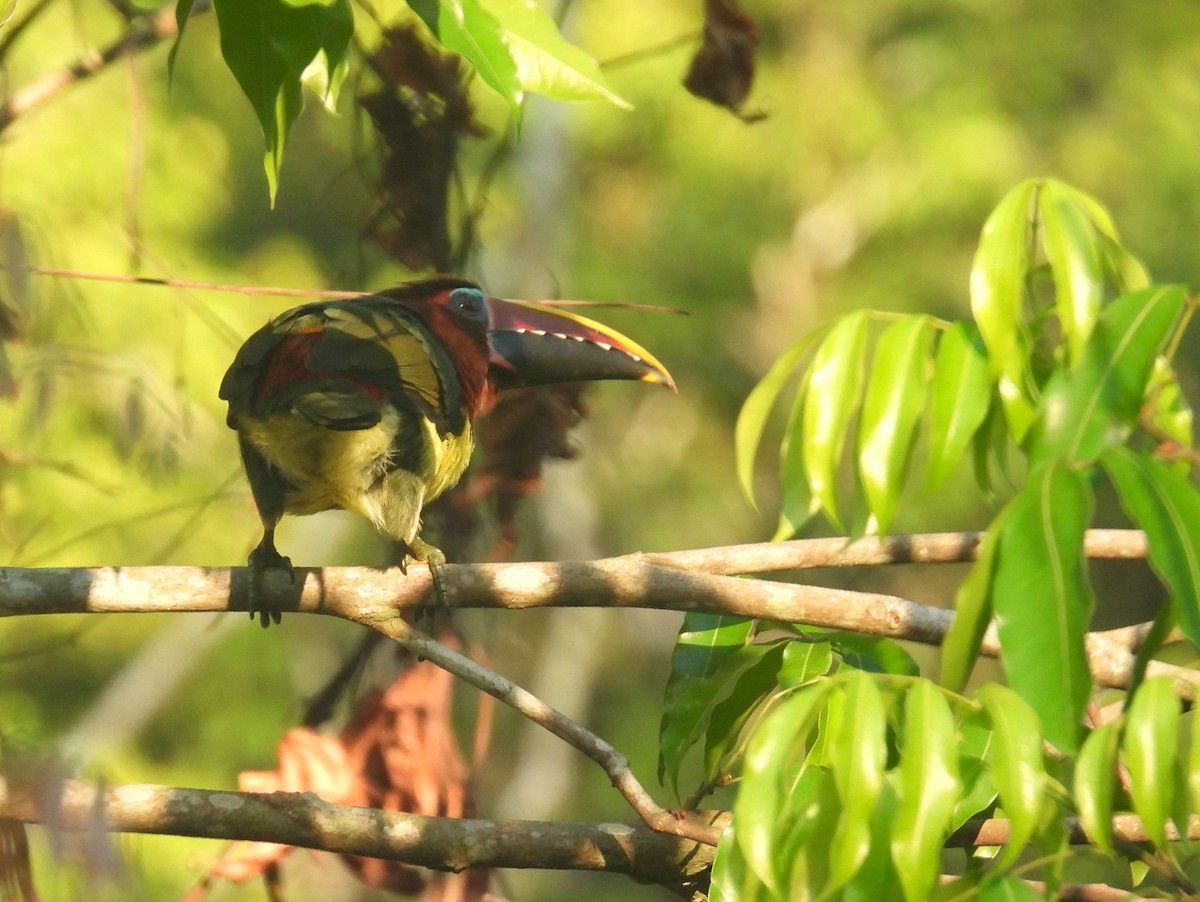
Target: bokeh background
(891, 129)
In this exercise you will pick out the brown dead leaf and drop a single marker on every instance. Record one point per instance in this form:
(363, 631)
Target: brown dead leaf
(722, 71)
(16, 869)
(397, 753)
(420, 113)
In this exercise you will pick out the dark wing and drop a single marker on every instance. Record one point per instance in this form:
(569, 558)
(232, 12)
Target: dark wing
(337, 363)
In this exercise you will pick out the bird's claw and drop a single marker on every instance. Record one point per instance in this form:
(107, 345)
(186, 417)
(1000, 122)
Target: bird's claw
(435, 560)
(263, 559)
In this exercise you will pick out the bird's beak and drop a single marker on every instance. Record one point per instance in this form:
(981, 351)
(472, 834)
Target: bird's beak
(532, 344)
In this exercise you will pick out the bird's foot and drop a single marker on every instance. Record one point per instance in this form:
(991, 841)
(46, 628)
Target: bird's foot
(435, 560)
(265, 558)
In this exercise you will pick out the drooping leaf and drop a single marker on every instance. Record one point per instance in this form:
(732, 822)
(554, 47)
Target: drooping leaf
(929, 790)
(705, 642)
(858, 760)
(752, 418)
(1149, 749)
(835, 380)
(1042, 600)
(772, 755)
(975, 740)
(1167, 507)
(1095, 404)
(183, 11)
(756, 678)
(796, 503)
(959, 397)
(1016, 764)
(732, 880)
(469, 29)
(268, 45)
(892, 407)
(972, 612)
(1072, 247)
(806, 829)
(1095, 780)
(997, 296)
(546, 62)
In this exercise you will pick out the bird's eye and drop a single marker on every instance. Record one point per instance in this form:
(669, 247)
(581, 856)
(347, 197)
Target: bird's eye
(468, 303)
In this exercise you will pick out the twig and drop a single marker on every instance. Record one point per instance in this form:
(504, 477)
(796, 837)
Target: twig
(247, 290)
(304, 819)
(615, 764)
(28, 98)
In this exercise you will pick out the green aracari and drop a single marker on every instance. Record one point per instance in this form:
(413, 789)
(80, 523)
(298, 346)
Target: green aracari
(367, 404)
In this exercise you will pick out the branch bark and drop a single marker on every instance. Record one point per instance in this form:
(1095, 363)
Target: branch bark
(305, 820)
(692, 580)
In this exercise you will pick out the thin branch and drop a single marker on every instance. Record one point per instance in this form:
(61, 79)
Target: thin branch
(31, 96)
(305, 820)
(614, 764)
(247, 290)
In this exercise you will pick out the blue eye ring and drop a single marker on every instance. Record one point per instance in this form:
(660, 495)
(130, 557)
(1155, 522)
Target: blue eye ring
(469, 303)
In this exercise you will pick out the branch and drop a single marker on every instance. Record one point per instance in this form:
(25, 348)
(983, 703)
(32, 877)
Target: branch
(304, 819)
(693, 580)
(31, 96)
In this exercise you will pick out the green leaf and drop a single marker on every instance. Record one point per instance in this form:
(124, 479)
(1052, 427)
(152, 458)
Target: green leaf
(805, 830)
(803, 662)
(468, 29)
(972, 612)
(1193, 771)
(834, 382)
(959, 398)
(997, 295)
(732, 880)
(1150, 748)
(1072, 247)
(796, 504)
(1007, 889)
(929, 790)
(704, 644)
(1167, 507)
(757, 676)
(1095, 778)
(752, 418)
(1042, 599)
(183, 12)
(546, 62)
(772, 754)
(268, 45)
(895, 398)
(1095, 404)
(858, 759)
(975, 740)
(1015, 761)
(1167, 411)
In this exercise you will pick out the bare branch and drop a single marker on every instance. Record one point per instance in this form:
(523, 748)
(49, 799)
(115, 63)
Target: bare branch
(31, 96)
(614, 764)
(304, 819)
(374, 596)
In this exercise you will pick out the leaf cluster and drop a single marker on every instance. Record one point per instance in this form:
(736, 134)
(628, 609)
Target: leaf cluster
(1061, 380)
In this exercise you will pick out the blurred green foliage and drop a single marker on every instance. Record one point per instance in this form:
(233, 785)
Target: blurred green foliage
(892, 129)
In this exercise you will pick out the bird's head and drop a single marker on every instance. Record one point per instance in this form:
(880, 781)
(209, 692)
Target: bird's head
(496, 344)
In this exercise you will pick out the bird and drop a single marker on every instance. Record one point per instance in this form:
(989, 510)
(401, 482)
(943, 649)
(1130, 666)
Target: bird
(367, 404)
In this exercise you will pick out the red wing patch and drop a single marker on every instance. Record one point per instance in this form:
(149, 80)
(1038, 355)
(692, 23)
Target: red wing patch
(289, 366)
